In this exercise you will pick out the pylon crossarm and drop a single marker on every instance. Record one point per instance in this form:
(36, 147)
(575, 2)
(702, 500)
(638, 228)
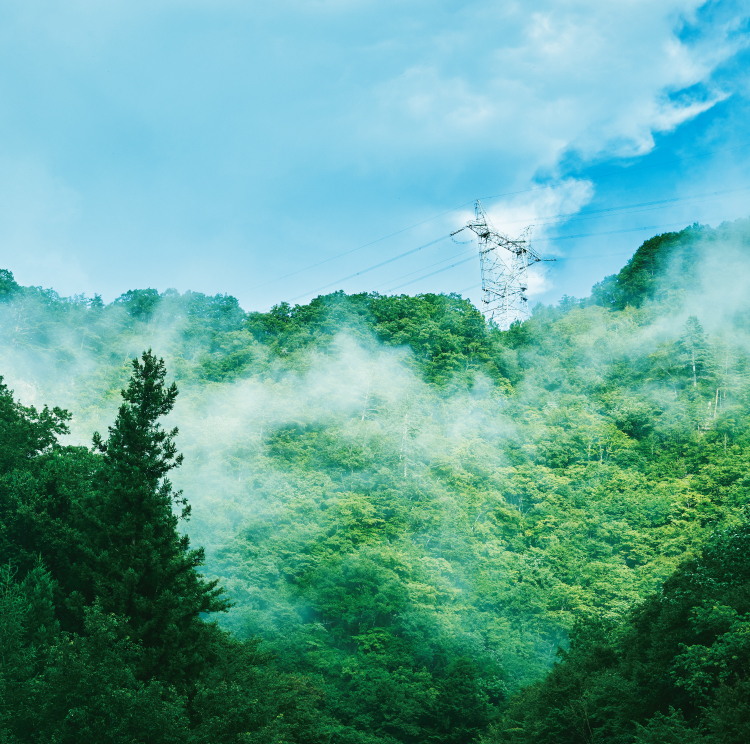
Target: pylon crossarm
(503, 264)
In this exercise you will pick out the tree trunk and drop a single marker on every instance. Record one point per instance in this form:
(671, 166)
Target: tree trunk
(695, 379)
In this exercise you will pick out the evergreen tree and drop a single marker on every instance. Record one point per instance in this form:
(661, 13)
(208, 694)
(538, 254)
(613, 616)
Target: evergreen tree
(143, 569)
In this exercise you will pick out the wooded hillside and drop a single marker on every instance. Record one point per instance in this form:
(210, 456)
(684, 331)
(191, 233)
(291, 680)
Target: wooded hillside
(408, 510)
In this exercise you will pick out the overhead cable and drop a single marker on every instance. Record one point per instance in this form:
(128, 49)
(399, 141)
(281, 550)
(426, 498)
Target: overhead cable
(422, 268)
(582, 215)
(609, 232)
(426, 276)
(366, 245)
(371, 268)
(414, 250)
(485, 198)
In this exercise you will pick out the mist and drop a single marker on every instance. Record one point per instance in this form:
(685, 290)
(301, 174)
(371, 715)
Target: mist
(480, 499)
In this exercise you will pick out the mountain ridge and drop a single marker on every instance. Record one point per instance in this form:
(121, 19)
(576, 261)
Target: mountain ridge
(414, 509)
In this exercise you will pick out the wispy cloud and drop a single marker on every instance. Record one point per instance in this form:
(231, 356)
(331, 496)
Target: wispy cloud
(223, 127)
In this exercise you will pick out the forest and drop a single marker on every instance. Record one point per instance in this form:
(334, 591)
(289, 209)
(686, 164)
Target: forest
(381, 519)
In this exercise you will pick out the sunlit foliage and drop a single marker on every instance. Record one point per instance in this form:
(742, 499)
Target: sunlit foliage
(410, 511)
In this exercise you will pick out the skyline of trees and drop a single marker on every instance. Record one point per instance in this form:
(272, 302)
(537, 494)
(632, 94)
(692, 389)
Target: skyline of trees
(410, 510)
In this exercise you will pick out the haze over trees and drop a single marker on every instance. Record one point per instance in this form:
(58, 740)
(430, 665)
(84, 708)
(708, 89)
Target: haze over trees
(413, 527)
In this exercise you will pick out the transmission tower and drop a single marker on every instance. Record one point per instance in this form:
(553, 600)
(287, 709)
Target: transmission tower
(504, 264)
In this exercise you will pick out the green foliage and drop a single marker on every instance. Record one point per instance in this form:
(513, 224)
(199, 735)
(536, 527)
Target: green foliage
(140, 567)
(668, 266)
(676, 671)
(416, 512)
(90, 690)
(26, 433)
(109, 645)
(8, 286)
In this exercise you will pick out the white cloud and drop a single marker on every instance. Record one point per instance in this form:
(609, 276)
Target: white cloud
(532, 82)
(175, 122)
(530, 208)
(525, 85)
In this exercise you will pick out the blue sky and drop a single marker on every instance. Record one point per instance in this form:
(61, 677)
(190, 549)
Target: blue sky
(219, 145)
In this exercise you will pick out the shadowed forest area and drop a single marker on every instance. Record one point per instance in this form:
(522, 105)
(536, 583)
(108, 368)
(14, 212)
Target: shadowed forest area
(376, 519)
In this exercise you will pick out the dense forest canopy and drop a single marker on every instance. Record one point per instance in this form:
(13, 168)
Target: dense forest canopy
(413, 526)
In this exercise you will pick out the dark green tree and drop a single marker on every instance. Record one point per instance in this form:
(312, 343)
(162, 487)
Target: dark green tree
(25, 432)
(142, 568)
(36, 476)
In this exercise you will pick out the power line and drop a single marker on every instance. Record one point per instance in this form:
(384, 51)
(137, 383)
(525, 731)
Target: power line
(587, 215)
(598, 216)
(366, 245)
(570, 258)
(609, 232)
(485, 198)
(474, 286)
(398, 232)
(423, 268)
(426, 276)
(595, 255)
(371, 268)
(379, 240)
(634, 207)
(629, 206)
(466, 289)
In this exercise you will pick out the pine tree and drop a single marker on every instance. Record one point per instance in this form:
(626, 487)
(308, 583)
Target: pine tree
(142, 568)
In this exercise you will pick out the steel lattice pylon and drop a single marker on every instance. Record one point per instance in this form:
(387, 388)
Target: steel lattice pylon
(504, 264)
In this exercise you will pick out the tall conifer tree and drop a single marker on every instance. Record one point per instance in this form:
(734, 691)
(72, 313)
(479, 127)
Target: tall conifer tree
(144, 570)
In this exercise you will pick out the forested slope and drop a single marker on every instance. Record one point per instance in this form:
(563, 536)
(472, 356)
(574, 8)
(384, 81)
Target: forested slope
(412, 510)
